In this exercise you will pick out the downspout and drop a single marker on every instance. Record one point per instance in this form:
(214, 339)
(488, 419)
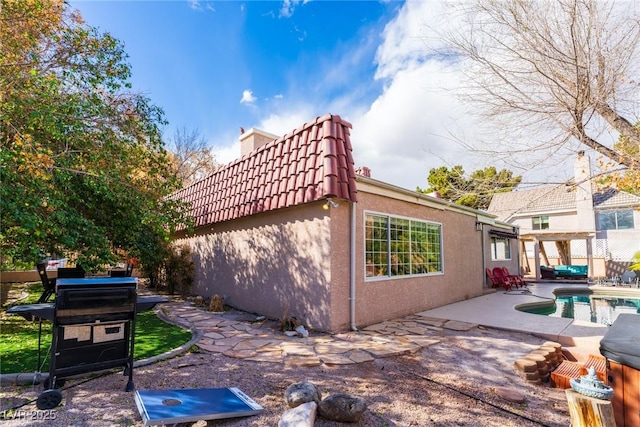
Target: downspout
(519, 264)
(352, 274)
(484, 257)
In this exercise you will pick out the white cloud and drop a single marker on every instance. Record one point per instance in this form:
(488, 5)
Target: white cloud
(288, 7)
(406, 131)
(285, 122)
(408, 128)
(226, 154)
(417, 121)
(197, 5)
(247, 97)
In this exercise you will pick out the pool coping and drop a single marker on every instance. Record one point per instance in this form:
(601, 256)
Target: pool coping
(597, 290)
(489, 310)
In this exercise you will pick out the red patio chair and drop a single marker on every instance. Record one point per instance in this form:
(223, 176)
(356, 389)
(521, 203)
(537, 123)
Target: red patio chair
(497, 281)
(507, 282)
(515, 277)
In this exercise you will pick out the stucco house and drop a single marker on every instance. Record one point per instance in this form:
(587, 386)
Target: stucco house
(575, 223)
(293, 229)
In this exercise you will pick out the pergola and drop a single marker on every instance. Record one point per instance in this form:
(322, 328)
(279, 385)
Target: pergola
(562, 240)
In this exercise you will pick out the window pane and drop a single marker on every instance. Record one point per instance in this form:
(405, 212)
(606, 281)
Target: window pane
(625, 219)
(418, 247)
(540, 223)
(434, 253)
(607, 220)
(398, 246)
(376, 246)
(500, 248)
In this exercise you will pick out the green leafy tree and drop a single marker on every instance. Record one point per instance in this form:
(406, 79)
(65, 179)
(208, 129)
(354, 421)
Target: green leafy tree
(83, 169)
(474, 191)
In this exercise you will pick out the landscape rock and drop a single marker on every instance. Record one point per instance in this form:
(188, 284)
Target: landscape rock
(510, 394)
(302, 331)
(342, 407)
(303, 415)
(298, 393)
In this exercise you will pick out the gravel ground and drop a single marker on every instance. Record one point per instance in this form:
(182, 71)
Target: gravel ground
(451, 383)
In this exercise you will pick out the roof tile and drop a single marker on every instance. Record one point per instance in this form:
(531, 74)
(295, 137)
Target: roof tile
(310, 163)
(548, 199)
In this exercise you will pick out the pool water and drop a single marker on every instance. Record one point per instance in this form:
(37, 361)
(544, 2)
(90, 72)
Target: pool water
(589, 308)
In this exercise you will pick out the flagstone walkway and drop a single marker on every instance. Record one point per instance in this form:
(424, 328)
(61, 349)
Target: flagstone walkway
(244, 337)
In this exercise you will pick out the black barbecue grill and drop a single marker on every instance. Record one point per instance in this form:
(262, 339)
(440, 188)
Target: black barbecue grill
(93, 328)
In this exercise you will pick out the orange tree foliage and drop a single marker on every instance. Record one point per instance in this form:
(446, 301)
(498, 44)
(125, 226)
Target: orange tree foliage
(627, 179)
(630, 180)
(84, 171)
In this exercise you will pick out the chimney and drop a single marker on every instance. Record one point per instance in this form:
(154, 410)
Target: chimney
(584, 192)
(253, 139)
(364, 171)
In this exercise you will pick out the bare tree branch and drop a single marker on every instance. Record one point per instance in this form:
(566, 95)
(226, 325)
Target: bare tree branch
(555, 69)
(192, 156)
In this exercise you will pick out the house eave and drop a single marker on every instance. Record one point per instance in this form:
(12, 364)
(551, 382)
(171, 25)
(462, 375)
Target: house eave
(529, 214)
(382, 188)
(554, 235)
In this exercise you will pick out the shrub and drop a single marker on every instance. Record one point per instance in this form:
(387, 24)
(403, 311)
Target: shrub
(175, 273)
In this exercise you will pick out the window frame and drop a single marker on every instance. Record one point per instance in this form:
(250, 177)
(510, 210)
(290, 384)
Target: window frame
(615, 213)
(397, 226)
(493, 248)
(542, 220)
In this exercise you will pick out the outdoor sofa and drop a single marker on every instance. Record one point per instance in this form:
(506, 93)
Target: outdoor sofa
(564, 272)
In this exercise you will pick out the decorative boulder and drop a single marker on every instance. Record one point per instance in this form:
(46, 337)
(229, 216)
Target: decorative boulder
(298, 393)
(342, 407)
(300, 416)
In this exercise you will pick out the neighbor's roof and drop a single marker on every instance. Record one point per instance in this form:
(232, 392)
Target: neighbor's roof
(541, 199)
(558, 198)
(311, 163)
(612, 198)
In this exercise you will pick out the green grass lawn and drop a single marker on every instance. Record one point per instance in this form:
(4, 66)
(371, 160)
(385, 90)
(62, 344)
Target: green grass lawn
(19, 338)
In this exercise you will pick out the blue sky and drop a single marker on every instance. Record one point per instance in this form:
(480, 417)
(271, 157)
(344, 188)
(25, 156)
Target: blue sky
(274, 65)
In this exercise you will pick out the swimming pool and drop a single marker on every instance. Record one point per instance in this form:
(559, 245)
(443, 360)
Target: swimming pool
(601, 305)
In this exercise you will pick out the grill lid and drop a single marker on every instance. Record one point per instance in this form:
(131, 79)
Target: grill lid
(98, 281)
(94, 296)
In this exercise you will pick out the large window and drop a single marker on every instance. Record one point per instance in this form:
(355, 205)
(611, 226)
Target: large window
(397, 246)
(500, 248)
(616, 219)
(540, 223)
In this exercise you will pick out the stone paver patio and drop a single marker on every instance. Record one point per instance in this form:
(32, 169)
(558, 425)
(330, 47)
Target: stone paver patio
(260, 341)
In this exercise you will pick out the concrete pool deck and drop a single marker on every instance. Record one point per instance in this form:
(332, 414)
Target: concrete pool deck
(497, 310)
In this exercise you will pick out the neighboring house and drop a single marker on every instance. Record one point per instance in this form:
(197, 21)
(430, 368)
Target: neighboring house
(292, 229)
(573, 224)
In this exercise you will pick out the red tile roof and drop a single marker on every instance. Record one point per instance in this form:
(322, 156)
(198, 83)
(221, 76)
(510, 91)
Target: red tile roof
(311, 163)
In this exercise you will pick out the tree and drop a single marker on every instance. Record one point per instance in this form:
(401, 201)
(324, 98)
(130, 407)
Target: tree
(475, 191)
(628, 181)
(553, 70)
(83, 169)
(191, 156)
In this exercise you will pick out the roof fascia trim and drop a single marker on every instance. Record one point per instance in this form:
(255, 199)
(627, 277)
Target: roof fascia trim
(542, 212)
(380, 188)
